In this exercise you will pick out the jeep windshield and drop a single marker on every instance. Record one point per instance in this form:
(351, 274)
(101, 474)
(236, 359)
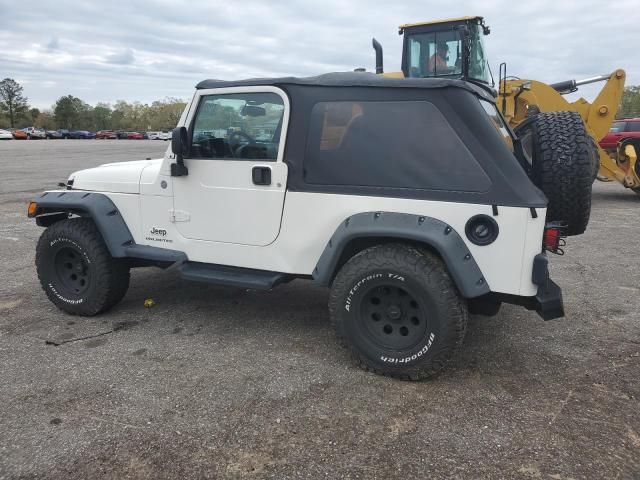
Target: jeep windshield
(243, 126)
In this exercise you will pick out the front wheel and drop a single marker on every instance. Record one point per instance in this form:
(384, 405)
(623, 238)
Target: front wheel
(398, 311)
(76, 270)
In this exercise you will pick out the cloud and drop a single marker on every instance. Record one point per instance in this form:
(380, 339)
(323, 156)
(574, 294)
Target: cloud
(145, 50)
(54, 44)
(124, 57)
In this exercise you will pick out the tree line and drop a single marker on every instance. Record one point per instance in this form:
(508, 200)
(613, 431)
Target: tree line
(72, 113)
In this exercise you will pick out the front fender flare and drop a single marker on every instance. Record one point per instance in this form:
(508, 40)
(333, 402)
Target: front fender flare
(443, 238)
(54, 206)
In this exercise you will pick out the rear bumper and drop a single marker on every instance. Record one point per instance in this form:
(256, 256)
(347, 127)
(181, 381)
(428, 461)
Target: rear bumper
(547, 301)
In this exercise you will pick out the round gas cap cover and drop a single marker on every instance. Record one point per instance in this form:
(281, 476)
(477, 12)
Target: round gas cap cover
(481, 230)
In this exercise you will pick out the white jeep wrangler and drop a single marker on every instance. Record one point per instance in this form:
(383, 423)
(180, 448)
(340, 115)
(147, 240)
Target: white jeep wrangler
(401, 195)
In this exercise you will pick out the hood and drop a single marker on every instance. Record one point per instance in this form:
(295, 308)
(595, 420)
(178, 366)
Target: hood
(122, 177)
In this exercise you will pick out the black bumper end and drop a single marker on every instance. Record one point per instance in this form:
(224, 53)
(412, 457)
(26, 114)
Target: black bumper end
(548, 301)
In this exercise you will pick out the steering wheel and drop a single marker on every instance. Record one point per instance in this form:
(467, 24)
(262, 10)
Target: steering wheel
(236, 140)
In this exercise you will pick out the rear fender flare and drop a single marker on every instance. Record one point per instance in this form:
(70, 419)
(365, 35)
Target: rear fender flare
(421, 229)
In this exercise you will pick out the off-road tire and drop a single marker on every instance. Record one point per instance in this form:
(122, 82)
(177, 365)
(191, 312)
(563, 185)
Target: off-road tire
(595, 160)
(74, 247)
(409, 341)
(564, 166)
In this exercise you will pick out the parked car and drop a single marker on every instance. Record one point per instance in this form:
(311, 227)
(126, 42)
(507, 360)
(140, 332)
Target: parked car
(158, 135)
(34, 133)
(106, 135)
(6, 135)
(121, 134)
(19, 134)
(54, 134)
(135, 136)
(621, 129)
(82, 134)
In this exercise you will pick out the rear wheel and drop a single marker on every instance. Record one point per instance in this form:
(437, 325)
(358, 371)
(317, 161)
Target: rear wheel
(76, 270)
(398, 311)
(564, 165)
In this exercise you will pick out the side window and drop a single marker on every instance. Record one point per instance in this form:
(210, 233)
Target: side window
(396, 144)
(239, 126)
(617, 127)
(633, 127)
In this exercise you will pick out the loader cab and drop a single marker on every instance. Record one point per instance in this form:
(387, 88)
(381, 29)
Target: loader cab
(446, 49)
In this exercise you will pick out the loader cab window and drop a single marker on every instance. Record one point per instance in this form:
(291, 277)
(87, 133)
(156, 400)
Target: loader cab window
(437, 54)
(242, 126)
(478, 64)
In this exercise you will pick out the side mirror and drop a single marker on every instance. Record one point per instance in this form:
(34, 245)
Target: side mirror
(179, 141)
(180, 147)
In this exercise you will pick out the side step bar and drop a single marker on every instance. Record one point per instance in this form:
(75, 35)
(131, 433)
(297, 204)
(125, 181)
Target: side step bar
(232, 276)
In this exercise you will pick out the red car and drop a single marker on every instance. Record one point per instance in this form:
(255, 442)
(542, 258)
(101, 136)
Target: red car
(621, 129)
(135, 136)
(106, 134)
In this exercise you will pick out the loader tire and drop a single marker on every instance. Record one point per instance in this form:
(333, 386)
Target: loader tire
(595, 161)
(564, 166)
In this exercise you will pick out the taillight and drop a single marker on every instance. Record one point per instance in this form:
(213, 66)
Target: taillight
(554, 237)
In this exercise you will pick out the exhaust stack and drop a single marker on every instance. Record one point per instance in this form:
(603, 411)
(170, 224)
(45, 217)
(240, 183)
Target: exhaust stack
(378, 48)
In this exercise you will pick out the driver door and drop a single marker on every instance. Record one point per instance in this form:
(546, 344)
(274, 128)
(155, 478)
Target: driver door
(235, 189)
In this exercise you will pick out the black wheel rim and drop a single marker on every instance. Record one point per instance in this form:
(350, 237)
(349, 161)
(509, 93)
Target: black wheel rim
(72, 270)
(393, 317)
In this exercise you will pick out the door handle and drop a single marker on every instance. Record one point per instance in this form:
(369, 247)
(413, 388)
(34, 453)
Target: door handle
(261, 175)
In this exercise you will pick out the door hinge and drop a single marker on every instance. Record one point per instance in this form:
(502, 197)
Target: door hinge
(178, 216)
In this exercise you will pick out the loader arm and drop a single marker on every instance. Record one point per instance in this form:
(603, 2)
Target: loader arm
(516, 98)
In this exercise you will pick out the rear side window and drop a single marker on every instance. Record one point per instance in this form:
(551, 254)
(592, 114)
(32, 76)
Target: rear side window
(406, 144)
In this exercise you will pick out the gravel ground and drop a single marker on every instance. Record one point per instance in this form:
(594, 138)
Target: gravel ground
(218, 382)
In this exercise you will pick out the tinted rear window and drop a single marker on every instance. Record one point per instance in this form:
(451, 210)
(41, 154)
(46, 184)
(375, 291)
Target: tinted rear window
(406, 144)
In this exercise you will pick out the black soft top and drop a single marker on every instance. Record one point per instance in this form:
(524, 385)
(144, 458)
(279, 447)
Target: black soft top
(422, 138)
(349, 79)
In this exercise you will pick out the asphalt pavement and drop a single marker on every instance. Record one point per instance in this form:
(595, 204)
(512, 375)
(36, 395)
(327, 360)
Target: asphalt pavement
(217, 382)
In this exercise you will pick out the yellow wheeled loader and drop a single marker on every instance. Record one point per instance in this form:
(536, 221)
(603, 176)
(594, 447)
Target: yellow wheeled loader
(545, 122)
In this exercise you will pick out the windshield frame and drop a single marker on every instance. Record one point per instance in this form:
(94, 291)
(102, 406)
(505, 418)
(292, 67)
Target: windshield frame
(475, 39)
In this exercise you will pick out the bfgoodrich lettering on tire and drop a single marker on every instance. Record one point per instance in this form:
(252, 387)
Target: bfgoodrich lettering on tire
(76, 270)
(398, 311)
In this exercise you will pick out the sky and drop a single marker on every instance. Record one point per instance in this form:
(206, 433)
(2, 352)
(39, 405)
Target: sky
(142, 50)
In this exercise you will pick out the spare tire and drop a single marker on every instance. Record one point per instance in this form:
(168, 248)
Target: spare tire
(564, 164)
